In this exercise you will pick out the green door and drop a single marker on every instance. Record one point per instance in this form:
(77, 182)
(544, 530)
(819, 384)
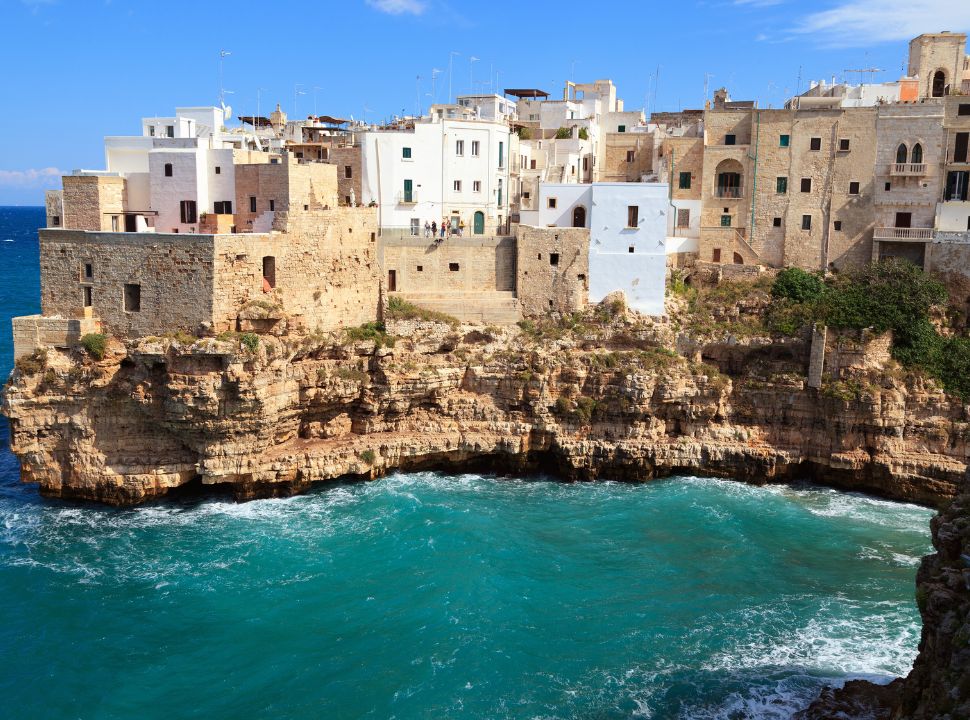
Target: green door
(479, 223)
(408, 191)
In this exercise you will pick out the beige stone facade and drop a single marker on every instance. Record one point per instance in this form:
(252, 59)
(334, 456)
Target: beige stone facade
(276, 188)
(627, 157)
(93, 202)
(457, 265)
(552, 269)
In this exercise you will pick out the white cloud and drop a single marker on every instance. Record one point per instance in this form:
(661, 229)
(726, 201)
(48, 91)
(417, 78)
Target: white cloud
(866, 22)
(399, 7)
(33, 178)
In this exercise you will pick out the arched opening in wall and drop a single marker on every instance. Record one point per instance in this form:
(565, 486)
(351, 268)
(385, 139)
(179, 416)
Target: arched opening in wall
(917, 156)
(579, 216)
(901, 153)
(738, 260)
(269, 273)
(728, 178)
(939, 84)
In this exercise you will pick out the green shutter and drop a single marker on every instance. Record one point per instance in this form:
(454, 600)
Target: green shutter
(406, 153)
(783, 141)
(621, 128)
(725, 221)
(781, 185)
(408, 191)
(685, 181)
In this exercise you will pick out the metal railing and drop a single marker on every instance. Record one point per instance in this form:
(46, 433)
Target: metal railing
(734, 193)
(894, 233)
(908, 169)
(407, 198)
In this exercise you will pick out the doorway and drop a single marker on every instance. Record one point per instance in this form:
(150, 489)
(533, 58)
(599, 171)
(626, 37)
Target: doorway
(478, 223)
(904, 219)
(579, 216)
(392, 280)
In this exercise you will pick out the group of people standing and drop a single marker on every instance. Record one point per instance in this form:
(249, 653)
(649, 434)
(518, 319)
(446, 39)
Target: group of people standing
(439, 232)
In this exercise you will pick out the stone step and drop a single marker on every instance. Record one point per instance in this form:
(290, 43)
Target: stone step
(497, 308)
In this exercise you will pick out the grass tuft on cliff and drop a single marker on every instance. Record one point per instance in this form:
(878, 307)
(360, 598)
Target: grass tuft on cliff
(400, 309)
(371, 331)
(95, 344)
(33, 363)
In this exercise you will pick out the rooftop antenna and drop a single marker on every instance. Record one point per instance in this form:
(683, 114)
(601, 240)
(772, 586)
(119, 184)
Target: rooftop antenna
(417, 95)
(222, 93)
(296, 93)
(798, 83)
(315, 89)
(435, 72)
(870, 71)
(259, 91)
(655, 86)
(471, 74)
(451, 57)
(707, 80)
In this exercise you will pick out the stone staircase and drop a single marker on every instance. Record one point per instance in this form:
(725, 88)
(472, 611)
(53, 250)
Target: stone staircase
(499, 307)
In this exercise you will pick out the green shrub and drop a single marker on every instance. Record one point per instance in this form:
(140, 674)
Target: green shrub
(583, 134)
(400, 309)
(250, 341)
(95, 344)
(525, 133)
(33, 363)
(370, 331)
(563, 133)
(368, 456)
(585, 407)
(798, 286)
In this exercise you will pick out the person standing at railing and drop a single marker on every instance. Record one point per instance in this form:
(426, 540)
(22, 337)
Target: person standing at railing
(427, 229)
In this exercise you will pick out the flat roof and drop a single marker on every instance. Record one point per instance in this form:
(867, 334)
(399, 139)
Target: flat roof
(526, 92)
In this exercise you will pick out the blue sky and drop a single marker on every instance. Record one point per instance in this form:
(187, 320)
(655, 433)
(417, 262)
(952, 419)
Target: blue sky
(77, 70)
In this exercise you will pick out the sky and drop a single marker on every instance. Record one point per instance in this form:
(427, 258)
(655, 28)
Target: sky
(74, 71)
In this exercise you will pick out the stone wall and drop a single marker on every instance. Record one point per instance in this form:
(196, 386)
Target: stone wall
(173, 274)
(90, 201)
(281, 187)
(684, 154)
(32, 332)
(342, 158)
(617, 167)
(552, 269)
(469, 264)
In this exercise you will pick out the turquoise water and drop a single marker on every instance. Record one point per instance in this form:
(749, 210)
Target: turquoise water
(427, 596)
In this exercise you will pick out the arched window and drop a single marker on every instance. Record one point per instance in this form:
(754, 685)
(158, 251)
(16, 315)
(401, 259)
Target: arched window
(917, 157)
(738, 260)
(901, 153)
(168, 169)
(579, 216)
(939, 83)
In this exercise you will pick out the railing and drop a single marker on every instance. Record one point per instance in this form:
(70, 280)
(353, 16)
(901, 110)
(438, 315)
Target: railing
(908, 169)
(728, 192)
(407, 198)
(962, 238)
(893, 233)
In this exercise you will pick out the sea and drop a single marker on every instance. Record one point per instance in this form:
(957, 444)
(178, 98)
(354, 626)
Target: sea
(425, 595)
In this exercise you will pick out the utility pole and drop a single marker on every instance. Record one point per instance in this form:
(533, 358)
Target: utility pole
(296, 93)
(222, 93)
(451, 57)
(435, 72)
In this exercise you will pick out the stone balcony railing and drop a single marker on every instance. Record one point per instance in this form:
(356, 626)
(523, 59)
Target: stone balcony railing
(952, 237)
(907, 169)
(732, 193)
(894, 233)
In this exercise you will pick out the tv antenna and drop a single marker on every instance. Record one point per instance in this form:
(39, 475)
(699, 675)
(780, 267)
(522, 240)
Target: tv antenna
(870, 71)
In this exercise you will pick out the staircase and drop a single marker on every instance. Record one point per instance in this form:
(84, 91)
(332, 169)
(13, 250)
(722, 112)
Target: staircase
(498, 307)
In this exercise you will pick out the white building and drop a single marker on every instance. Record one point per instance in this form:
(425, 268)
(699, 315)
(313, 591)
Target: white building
(631, 233)
(489, 107)
(440, 167)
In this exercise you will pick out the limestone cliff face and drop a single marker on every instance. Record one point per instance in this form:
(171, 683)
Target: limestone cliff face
(158, 415)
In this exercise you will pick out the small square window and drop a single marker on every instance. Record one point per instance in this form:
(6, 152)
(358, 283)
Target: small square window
(963, 109)
(806, 222)
(853, 188)
(348, 171)
(685, 181)
(406, 153)
(55, 220)
(218, 170)
(621, 128)
(551, 203)
(806, 185)
(843, 144)
(631, 156)
(816, 143)
(420, 268)
(457, 186)
(776, 222)
(838, 226)
(725, 221)
(784, 140)
(453, 267)
(554, 259)
(888, 186)
(630, 249)
(730, 139)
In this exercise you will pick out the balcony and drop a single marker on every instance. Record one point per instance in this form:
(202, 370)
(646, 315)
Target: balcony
(903, 234)
(907, 169)
(730, 193)
(407, 198)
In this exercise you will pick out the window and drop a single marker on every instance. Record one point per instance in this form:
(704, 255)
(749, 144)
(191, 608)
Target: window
(806, 222)
(114, 223)
(815, 144)
(408, 195)
(151, 130)
(475, 147)
(551, 203)
(621, 128)
(853, 188)
(888, 186)
(272, 205)
(532, 164)
(781, 185)
(348, 171)
(776, 222)
(843, 144)
(784, 140)
(88, 271)
(716, 255)
(963, 109)
(269, 273)
(632, 216)
(55, 220)
(459, 147)
(631, 156)
(420, 268)
(453, 267)
(476, 185)
(725, 221)
(170, 131)
(406, 153)
(457, 185)
(218, 170)
(88, 300)
(223, 207)
(631, 249)
(683, 218)
(526, 195)
(685, 181)
(554, 259)
(168, 169)
(730, 139)
(917, 157)
(252, 203)
(838, 226)
(132, 298)
(901, 153)
(187, 211)
(501, 154)
(806, 185)
(939, 84)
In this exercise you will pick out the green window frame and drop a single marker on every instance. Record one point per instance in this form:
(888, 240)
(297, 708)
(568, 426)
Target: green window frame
(685, 181)
(725, 221)
(781, 185)
(406, 153)
(621, 128)
(784, 140)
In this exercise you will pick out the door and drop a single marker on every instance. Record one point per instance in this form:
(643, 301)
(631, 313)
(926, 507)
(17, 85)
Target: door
(131, 224)
(408, 191)
(904, 219)
(479, 223)
(415, 227)
(579, 216)
(960, 147)
(392, 280)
